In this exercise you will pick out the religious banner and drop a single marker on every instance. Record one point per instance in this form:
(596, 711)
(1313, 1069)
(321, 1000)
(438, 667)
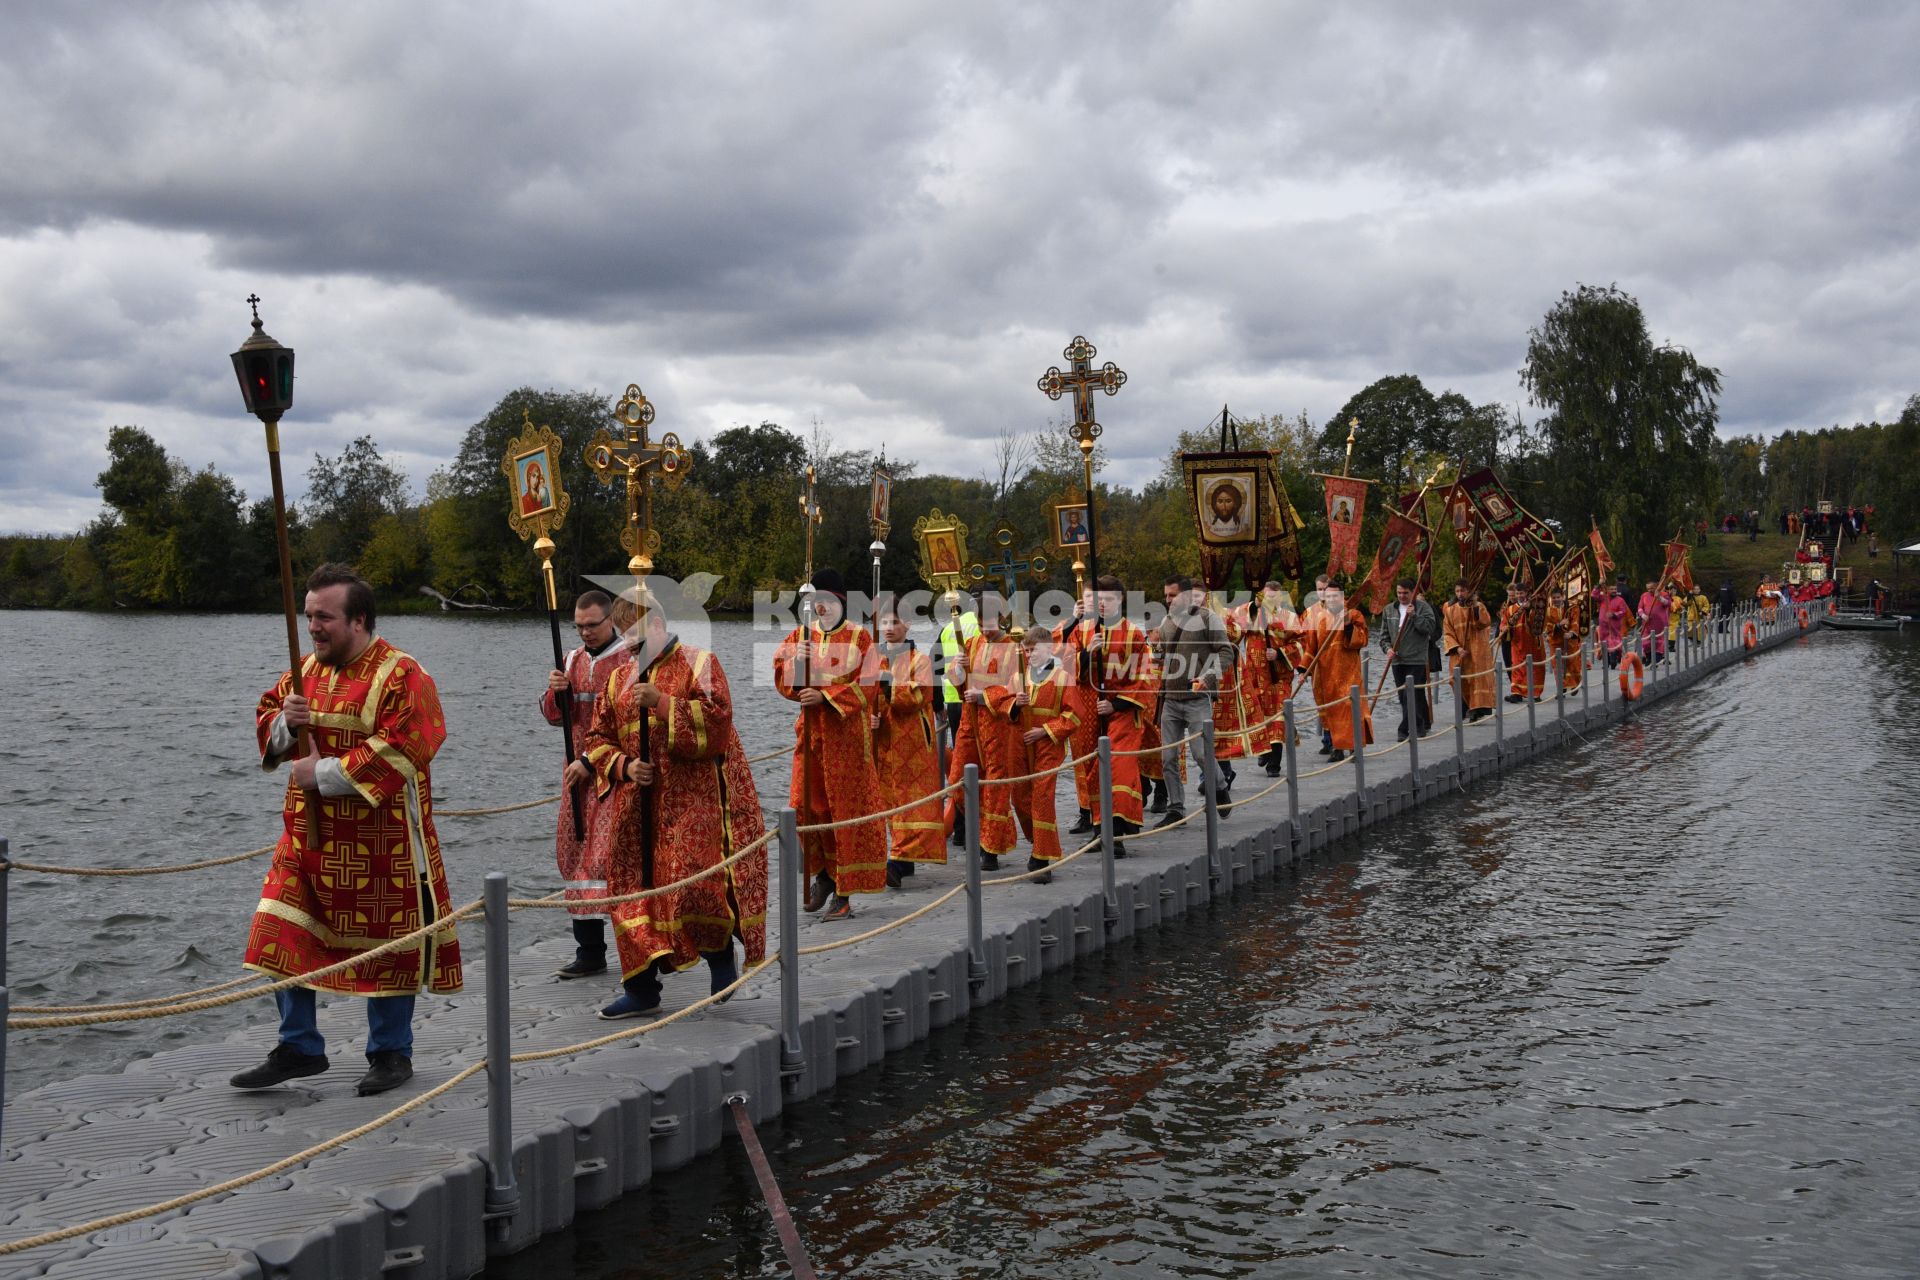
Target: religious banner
(1516, 529)
(943, 549)
(1402, 538)
(1413, 505)
(1602, 562)
(1474, 543)
(1679, 566)
(1236, 513)
(1346, 504)
(1286, 544)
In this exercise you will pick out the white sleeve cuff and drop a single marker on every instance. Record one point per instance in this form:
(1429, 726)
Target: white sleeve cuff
(331, 778)
(279, 739)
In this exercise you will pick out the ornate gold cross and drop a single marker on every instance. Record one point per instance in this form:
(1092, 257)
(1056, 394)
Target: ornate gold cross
(639, 459)
(1082, 379)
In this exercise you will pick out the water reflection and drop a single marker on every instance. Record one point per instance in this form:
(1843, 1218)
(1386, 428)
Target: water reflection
(1646, 1006)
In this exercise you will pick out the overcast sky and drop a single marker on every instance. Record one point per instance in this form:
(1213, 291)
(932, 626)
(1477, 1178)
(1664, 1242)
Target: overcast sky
(891, 217)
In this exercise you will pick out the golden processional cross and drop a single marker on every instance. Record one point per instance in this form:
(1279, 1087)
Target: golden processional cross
(640, 460)
(810, 517)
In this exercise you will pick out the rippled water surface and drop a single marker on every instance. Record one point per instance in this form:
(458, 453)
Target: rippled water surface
(1648, 1006)
(128, 740)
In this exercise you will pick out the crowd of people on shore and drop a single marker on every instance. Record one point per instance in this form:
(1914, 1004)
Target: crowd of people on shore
(659, 831)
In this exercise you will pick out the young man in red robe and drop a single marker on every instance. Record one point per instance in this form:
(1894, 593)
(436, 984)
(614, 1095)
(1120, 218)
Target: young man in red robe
(1046, 724)
(1124, 685)
(1336, 672)
(1526, 630)
(900, 681)
(358, 862)
(583, 860)
(989, 680)
(663, 738)
(1070, 646)
(819, 666)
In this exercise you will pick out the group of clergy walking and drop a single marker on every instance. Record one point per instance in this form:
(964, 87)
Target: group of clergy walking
(668, 805)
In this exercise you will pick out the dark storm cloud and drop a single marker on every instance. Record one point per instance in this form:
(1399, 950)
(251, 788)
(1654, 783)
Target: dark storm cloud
(884, 215)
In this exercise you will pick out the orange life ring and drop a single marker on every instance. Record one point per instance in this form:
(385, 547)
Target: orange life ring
(1633, 677)
(1803, 617)
(1833, 607)
(1750, 634)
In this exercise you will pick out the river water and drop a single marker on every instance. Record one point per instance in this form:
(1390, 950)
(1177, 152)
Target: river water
(128, 741)
(1648, 1006)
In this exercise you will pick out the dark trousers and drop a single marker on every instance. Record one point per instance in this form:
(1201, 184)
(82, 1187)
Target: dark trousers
(1410, 679)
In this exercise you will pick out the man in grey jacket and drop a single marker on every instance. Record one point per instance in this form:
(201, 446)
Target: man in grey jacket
(1194, 655)
(1408, 630)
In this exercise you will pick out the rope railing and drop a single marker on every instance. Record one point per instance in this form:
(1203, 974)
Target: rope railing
(445, 922)
(554, 900)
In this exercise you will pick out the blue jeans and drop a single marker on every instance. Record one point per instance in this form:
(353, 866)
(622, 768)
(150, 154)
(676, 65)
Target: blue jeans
(389, 1023)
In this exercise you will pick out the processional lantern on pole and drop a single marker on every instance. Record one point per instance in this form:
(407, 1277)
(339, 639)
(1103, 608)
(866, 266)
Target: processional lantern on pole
(879, 522)
(265, 370)
(641, 460)
(537, 503)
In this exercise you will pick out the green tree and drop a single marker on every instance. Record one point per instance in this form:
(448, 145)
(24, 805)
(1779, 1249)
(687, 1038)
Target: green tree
(1630, 425)
(211, 564)
(346, 498)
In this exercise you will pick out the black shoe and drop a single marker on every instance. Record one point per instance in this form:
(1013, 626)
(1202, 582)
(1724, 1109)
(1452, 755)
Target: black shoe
(839, 908)
(583, 965)
(1514, 697)
(388, 1069)
(1402, 735)
(1173, 816)
(1226, 771)
(894, 873)
(817, 895)
(1043, 867)
(1337, 757)
(1122, 828)
(1326, 749)
(989, 862)
(1223, 801)
(1156, 797)
(1082, 827)
(722, 972)
(1273, 768)
(283, 1064)
(959, 836)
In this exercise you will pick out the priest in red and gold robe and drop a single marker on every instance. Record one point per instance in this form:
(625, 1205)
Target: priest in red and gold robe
(358, 863)
(819, 666)
(1336, 672)
(987, 737)
(1071, 640)
(1525, 627)
(1045, 720)
(900, 681)
(1126, 682)
(701, 808)
(1466, 631)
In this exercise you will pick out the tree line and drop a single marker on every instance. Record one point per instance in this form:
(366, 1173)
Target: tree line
(1625, 438)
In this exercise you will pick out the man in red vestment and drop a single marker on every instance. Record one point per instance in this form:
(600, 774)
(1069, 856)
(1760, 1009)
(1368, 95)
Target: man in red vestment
(900, 681)
(1125, 682)
(1526, 628)
(819, 666)
(1045, 724)
(583, 861)
(1336, 672)
(702, 808)
(1070, 641)
(987, 737)
(358, 863)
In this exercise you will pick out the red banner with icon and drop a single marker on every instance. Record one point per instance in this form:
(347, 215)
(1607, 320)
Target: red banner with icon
(1346, 505)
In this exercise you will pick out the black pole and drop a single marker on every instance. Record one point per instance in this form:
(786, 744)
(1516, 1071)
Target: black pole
(565, 701)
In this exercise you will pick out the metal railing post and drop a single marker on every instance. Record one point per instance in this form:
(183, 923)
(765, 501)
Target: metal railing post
(1414, 694)
(793, 873)
(1209, 780)
(1536, 679)
(1292, 757)
(976, 942)
(1606, 672)
(1500, 707)
(6, 866)
(1354, 697)
(1104, 753)
(503, 1195)
(1459, 722)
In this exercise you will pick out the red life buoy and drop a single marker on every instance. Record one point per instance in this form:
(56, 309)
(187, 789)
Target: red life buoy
(1833, 607)
(1803, 617)
(1750, 634)
(1633, 677)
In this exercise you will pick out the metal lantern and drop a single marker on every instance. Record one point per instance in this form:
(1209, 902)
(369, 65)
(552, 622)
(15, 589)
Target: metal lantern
(265, 370)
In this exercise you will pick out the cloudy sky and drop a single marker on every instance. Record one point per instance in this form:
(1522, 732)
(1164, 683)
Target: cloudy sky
(890, 217)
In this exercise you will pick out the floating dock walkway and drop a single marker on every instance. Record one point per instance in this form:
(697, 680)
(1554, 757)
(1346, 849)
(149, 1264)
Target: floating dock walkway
(419, 1197)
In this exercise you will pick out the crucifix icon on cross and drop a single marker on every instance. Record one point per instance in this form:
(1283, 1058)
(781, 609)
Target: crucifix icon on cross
(640, 460)
(1007, 570)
